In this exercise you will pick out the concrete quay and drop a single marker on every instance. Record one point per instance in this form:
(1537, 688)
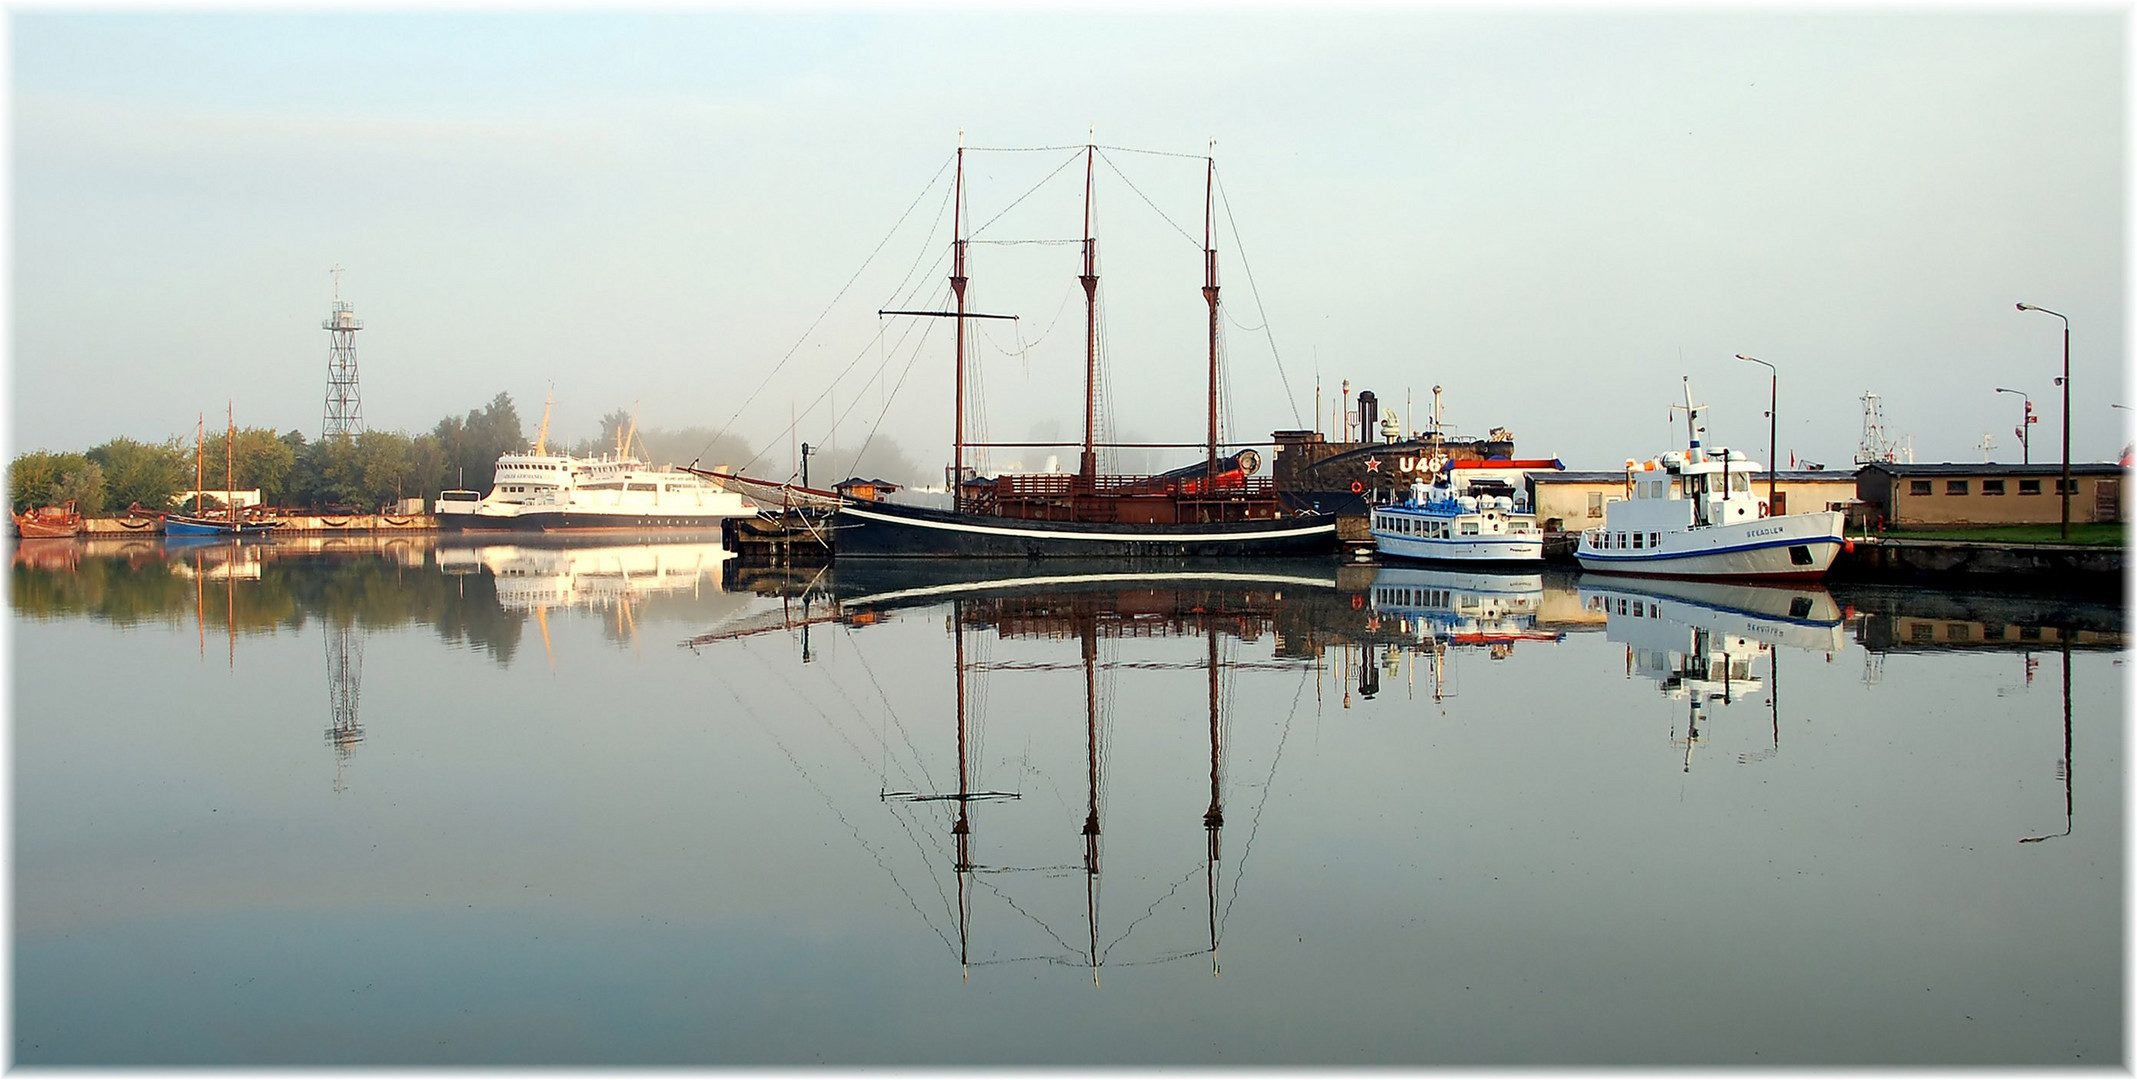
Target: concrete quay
(292, 525)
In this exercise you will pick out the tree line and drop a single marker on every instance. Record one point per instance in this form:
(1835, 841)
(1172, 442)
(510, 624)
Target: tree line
(368, 471)
(359, 473)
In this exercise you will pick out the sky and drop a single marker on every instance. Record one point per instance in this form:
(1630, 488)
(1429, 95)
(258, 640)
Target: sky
(1555, 215)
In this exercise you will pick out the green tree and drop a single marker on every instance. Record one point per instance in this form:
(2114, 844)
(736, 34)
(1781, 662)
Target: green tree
(263, 460)
(149, 474)
(470, 446)
(43, 478)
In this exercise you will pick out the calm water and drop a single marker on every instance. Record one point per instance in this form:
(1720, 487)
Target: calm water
(426, 804)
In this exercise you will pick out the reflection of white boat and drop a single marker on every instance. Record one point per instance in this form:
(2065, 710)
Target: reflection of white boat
(1802, 617)
(591, 577)
(1460, 607)
(1698, 639)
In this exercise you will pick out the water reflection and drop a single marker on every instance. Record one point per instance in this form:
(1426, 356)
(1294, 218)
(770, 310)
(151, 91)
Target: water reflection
(1430, 612)
(1069, 619)
(1699, 641)
(1073, 776)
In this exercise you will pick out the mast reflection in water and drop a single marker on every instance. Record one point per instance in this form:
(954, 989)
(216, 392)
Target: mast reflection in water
(911, 815)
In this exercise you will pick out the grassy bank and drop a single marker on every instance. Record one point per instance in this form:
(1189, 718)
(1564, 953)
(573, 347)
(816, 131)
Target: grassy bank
(2112, 534)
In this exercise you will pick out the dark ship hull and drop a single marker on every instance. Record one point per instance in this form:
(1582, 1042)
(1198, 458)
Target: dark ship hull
(886, 530)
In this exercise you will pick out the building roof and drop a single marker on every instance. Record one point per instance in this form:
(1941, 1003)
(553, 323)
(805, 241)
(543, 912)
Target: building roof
(1617, 476)
(1994, 468)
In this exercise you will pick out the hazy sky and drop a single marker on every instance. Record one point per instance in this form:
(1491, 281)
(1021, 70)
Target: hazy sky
(1554, 215)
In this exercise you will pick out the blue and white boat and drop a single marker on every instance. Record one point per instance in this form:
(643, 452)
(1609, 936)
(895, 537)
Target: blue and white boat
(1694, 513)
(1447, 523)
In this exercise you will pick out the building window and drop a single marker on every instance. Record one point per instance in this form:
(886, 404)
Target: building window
(1595, 504)
(1917, 487)
(1992, 487)
(2059, 486)
(2029, 487)
(1955, 487)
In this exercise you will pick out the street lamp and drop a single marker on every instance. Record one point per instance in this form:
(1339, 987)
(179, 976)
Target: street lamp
(2025, 427)
(2064, 382)
(1773, 402)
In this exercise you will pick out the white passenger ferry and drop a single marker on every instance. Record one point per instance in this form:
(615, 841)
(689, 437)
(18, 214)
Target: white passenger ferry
(543, 492)
(1471, 515)
(1693, 513)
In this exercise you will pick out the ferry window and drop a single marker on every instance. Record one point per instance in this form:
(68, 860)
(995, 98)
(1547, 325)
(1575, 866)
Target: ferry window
(1654, 540)
(1992, 487)
(1739, 483)
(1637, 538)
(1955, 487)
(1639, 608)
(2029, 487)
(1469, 528)
(1917, 487)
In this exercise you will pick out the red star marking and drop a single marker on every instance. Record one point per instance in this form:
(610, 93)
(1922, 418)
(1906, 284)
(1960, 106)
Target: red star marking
(1372, 464)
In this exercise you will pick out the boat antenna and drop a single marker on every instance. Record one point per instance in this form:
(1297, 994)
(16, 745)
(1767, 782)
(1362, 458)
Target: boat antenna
(1209, 292)
(1691, 415)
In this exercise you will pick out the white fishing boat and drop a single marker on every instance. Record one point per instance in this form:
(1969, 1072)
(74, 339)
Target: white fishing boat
(1464, 515)
(1694, 513)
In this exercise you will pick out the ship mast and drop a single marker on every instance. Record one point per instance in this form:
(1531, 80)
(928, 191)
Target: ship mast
(1209, 294)
(229, 463)
(1088, 469)
(957, 285)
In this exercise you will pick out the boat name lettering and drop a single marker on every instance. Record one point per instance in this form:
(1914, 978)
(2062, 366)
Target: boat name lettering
(1774, 531)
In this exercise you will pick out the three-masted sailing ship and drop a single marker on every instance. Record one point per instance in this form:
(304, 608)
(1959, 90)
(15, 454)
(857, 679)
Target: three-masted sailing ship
(1216, 507)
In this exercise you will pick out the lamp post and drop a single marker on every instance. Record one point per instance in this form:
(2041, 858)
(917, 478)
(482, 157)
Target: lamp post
(2025, 425)
(1773, 403)
(2064, 382)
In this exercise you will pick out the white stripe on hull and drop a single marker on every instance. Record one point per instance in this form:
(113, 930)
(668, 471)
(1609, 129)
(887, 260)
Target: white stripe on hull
(1751, 549)
(1411, 547)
